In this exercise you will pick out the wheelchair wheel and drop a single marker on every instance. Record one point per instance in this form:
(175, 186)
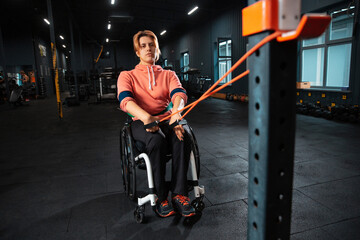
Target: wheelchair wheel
(122, 161)
(195, 154)
(128, 163)
(195, 151)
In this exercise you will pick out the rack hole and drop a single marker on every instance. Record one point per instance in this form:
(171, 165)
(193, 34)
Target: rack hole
(282, 147)
(256, 181)
(257, 106)
(255, 203)
(281, 196)
(282, 120)
(256, 156)
(255, 225)
(282, 93)
(257, 53)
(283, 65)
(257, 132)
(257, 79)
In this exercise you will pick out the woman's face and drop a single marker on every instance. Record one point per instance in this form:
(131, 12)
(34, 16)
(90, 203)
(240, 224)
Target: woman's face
(147, 51)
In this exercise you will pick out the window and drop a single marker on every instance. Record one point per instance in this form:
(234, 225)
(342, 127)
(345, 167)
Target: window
(325, 61)
(224, 59)
(185, 64)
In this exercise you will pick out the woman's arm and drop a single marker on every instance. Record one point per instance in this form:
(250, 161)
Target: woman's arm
(176, 103)
(142, 115)
(179, 130)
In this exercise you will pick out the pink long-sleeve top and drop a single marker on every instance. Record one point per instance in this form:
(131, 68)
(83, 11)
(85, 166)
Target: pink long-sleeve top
(151, 87)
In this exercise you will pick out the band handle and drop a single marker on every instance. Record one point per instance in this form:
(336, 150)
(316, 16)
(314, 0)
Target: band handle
(177, 122)
(150, 125)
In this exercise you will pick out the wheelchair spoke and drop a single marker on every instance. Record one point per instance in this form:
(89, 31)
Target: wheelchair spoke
(130, 166)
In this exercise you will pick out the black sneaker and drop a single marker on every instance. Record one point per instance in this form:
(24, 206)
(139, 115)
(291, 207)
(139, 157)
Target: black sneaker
(182, 205)
(164, 209)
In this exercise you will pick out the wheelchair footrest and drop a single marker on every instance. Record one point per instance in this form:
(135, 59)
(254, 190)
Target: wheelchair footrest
(199, 191)
(148, 198)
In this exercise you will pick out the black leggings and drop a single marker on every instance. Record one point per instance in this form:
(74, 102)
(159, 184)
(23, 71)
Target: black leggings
(158, 145)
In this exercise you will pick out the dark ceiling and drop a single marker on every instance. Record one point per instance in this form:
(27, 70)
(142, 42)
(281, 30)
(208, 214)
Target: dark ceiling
(90, 17)
(129, 16)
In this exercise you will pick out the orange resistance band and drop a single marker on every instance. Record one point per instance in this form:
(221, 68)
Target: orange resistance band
(204, 97)
(210, 91)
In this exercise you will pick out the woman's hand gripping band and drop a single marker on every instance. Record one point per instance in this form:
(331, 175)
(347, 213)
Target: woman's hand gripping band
(152, 124)
(175, 125)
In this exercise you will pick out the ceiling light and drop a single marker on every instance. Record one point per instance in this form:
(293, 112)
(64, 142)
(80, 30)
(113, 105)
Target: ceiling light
(107, 40)
(63, 46)
(163, 32)
(61, 37)
(193, 10)
(109, 26)
(112, 2)
(47, 21)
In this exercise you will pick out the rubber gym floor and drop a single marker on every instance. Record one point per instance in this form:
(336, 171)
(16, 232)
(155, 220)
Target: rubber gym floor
(61, 179)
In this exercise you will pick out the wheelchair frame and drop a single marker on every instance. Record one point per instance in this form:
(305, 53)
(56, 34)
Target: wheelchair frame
(131, 158)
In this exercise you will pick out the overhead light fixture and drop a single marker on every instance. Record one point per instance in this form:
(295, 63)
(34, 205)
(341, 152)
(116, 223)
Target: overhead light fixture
(61, 37)
(193, 10)
(343, 10)
(63, 46)
(47, 21)
(107, 40)
(109, 25)
(163, 32)
(112, 2)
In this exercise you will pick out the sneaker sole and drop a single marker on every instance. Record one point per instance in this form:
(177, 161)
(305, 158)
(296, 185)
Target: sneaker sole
(167, 215)
(189, 215)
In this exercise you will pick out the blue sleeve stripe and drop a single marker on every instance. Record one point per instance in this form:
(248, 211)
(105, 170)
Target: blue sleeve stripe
(124, 94)
(176, 90)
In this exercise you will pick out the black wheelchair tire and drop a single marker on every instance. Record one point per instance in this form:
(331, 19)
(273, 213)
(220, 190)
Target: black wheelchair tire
(122, 160)
(195, 150)
(128, 162)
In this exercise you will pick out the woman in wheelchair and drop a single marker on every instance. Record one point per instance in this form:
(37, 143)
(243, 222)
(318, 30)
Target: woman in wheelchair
(149, 93)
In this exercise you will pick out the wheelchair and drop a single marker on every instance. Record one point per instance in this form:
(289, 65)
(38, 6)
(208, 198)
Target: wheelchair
(133, 158)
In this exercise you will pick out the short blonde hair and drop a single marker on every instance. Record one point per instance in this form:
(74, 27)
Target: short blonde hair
(147, 33)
